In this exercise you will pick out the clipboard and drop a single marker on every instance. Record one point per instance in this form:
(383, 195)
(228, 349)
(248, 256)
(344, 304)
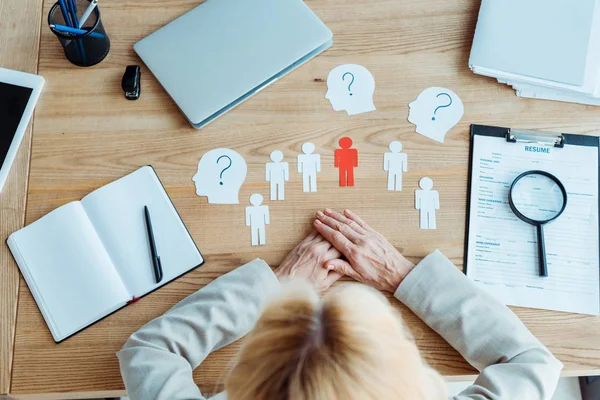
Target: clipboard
(494, 275)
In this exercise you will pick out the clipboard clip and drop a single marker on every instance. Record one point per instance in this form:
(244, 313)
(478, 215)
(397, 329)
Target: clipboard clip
(542, 138)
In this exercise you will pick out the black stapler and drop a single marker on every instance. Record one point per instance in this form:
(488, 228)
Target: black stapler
(131, 82)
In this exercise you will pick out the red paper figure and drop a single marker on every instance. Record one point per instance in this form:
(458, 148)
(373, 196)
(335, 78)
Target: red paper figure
(346, 159)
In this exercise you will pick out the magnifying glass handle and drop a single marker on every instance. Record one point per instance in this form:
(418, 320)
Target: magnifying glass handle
(542, 251)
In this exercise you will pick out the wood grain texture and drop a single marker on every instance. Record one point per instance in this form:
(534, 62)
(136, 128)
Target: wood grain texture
(19, 47)
(87, 134)
(108, 394)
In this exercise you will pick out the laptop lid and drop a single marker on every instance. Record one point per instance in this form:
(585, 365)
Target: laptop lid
(223, 51)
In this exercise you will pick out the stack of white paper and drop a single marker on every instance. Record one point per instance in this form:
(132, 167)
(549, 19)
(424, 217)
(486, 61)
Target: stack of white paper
(544, 49)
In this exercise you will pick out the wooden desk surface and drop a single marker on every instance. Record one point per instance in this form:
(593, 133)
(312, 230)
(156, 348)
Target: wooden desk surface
(86, 135)
(19, 48)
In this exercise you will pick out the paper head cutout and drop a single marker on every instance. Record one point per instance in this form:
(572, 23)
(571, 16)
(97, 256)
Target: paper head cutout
(308, 148)
(345, 143)
(395, 147)
(221, 173)
(276, 156)
(350, 87)
(426, 183)
(256, 199)
(435, 112)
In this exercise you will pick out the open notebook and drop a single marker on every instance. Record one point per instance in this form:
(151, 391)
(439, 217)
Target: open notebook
(89, 258)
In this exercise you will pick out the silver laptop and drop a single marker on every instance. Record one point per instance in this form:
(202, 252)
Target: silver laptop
(224, 51)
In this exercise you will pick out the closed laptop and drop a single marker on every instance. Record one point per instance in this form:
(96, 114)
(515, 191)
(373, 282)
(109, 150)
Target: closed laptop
(223, 51)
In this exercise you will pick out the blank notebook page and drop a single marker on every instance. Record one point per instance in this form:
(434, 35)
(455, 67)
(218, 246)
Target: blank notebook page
(68, 270)
(547, 39)
(117, 213)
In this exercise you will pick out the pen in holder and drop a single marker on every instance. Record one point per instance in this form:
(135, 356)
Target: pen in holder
(77, 25)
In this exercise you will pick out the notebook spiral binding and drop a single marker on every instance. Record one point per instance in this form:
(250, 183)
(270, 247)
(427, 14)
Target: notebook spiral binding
(542, 138)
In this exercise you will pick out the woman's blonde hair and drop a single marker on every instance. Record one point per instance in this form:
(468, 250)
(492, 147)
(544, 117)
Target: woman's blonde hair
(351, 345)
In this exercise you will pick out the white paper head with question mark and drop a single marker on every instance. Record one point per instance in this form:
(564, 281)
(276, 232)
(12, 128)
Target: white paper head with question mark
(221, 173)
(435, 112)
(350, 88)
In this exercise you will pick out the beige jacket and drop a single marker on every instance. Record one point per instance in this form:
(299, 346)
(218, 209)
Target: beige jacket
(157, 361)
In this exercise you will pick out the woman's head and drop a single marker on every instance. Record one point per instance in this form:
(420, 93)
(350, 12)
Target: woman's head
(350, 345)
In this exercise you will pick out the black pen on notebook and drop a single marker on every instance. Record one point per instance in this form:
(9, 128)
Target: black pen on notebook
(158, 272)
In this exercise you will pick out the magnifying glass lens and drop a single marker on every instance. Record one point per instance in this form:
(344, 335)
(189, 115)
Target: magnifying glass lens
(538, 198)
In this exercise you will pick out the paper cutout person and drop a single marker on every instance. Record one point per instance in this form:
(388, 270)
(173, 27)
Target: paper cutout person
(350, 87)
(346, 159)
(395, 163)
(220, 175)
(257, 217)
(309, 165)
(435, 112)
(277, 173)
(427, 201)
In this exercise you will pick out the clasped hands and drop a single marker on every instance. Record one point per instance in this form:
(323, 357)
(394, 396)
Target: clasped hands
(344, 245)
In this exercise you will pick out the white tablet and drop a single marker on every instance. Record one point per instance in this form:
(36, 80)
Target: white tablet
(19, 93)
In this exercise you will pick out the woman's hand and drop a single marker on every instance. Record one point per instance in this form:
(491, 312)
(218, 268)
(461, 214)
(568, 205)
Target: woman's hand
(308, 260)
(371, 258)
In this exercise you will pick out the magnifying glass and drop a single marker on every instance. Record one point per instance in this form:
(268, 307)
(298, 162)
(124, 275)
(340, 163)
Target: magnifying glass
(537, 197)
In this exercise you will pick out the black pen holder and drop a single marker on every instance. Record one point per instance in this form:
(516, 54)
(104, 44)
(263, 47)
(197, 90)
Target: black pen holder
(82, 49)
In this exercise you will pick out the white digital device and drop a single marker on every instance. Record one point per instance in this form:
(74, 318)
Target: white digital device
(19, 93)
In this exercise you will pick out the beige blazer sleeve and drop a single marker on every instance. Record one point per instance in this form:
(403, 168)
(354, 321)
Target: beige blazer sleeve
(157, 361)
(513, 364)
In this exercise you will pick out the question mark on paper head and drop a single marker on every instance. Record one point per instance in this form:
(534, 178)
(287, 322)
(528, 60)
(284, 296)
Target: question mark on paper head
(225, 169)
(442, 106)
(351, 82)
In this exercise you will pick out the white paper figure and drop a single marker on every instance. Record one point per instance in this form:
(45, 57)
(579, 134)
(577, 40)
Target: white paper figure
(221, 173)
(395, 163)
(435, 112)
(277, 173)
(427, 201)
(257, 217)
(309, 165)
(350, 87)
